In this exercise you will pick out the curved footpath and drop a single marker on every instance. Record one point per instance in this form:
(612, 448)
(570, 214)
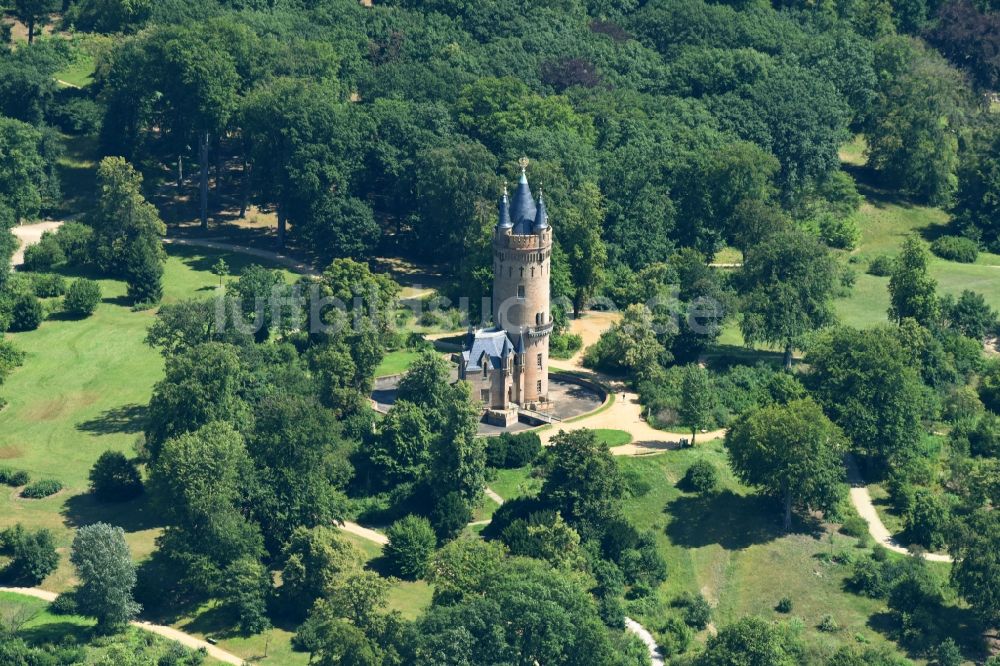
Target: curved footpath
(167, 632)
(862, 501)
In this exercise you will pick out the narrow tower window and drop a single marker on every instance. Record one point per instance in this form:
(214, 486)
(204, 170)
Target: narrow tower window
(539, 363)
(520, 291)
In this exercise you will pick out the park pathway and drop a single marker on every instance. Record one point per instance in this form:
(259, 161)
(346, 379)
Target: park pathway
(862, 501)
(186, 640)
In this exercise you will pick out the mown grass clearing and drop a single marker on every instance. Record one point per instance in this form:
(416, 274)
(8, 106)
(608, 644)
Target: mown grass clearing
(730, 547)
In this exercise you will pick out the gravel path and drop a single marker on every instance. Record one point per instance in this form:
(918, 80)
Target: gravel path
(186, 640)
(862, 501)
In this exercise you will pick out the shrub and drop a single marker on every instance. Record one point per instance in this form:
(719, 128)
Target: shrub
(522, 448)
(881, 266)
(64, 604)
(956, 248)
(854, 526)
(83, 297)
(450, 516)
(784, 605)
(27, 313)
(702, 477)
(48, 285)
(12, 477)
(839, 232)
(927, 519)
(696, 611)
(78, 115)
(114, 477)
(510, 450)
(674, 637)
(33, 554)
(564, 345)
(41, 488)
(411, 543)
(74, 238)
(44, 255)
(948, 654)
(828, 624)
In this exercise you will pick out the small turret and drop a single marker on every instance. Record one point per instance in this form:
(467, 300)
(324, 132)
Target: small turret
(504, 222)
(541, 216)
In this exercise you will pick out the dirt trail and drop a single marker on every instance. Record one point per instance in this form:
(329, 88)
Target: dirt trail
(186, 640)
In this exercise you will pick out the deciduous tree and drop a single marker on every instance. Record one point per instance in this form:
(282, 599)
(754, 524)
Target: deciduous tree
(792, 452)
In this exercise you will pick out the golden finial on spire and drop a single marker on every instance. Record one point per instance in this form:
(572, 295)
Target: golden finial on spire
(524, 164)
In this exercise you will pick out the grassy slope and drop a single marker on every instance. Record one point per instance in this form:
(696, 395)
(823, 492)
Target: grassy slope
(731, 549)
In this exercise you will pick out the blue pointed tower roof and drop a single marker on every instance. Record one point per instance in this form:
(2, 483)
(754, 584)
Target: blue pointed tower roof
(522, 209)
(504, 207)
(541, 216)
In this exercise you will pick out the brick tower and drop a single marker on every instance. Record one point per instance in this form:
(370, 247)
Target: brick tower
(522, 256)
(507, 364)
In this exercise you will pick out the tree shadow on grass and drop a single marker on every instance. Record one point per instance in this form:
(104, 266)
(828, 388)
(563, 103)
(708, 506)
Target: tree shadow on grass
(729, 520)
(128, 419)
(56, 633)
(134, 515)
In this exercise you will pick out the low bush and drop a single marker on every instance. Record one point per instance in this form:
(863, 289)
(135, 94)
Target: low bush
(41, 488)
(44, 255)
(564, 345)
(74, 238)
(956, 248)
(64, 604)
(27, 313)
(854, 526)
(881, 266)
(828, 624)
(701, 477)
(695, 610)
(48, 285)
(784, 605)
(13, 477)
(82, 298)
(839, 232)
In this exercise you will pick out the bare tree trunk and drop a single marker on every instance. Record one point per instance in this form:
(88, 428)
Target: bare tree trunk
(245, 187)
(693, 432)
(204, 181)
(180, 171)
(281, 226)
(788, 357)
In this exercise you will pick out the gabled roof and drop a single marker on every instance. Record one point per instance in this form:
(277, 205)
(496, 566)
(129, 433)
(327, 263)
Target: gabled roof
(489, 346)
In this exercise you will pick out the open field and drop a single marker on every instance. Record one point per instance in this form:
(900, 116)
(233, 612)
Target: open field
(730, 547)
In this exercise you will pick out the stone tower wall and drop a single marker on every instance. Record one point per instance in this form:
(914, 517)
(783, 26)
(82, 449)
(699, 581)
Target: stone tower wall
(525, 261)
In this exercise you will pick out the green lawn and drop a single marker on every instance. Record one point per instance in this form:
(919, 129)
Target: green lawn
(610, 437)
(396, 362)
(82, 390)
(730, 548)
(511, 483)
(79, 73)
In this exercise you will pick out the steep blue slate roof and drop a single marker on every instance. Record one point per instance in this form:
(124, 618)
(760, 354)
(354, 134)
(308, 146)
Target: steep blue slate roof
(541, 216)
(522, 209)
(504, 222)
(491, 342)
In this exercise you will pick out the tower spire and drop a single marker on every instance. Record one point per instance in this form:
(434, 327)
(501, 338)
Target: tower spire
(504, 208)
